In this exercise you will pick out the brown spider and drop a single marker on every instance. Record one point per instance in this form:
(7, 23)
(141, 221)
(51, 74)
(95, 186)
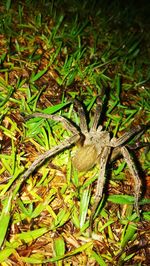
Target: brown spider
(96, 146)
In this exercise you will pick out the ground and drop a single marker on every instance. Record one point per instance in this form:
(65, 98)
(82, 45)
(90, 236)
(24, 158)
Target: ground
(52, 52)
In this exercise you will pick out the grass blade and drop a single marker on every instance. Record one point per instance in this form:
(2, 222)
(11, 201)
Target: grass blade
(4, 219)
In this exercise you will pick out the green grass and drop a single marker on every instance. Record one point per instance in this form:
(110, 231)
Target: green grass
(48, 57)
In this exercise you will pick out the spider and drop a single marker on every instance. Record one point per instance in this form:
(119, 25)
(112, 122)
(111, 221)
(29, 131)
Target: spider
(96, 147)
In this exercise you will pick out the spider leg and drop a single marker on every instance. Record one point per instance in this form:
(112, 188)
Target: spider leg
(67, 124)
(98, 110)
(100, 182)
(120, 141)
(116, 153)
(96, 115)
(83, 122)
(138, 145)
(46, 155)
(134, 172)
(125, 137)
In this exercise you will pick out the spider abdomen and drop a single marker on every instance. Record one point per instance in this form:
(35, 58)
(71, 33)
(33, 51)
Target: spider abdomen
(85, 158)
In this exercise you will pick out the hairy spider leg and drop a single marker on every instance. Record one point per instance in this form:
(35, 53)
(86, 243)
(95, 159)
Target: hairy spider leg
(67, 124)
(83, 121)
(125, 137)
(138, 145)
(117, 144)
(97, 114)
(46, 155)
(98, 110)
(66, 144)
(134, 172)
(101, 181)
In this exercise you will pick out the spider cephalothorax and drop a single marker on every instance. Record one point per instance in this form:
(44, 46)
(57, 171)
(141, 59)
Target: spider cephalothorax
(96, 147)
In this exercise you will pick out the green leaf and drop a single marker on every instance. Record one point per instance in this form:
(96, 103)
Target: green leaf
(59, 246)
(8, 4)
(42, 206)
(38, 75)
(98, 258)
(121, 199)
(85, 198)
(31, 235)
(62, 217)
(146, 216)
(74, 252)
(126, 199)
(4, 219)
(128, 234)
(5, 253)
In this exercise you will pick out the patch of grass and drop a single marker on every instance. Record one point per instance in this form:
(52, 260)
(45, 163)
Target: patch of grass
(52, 52)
